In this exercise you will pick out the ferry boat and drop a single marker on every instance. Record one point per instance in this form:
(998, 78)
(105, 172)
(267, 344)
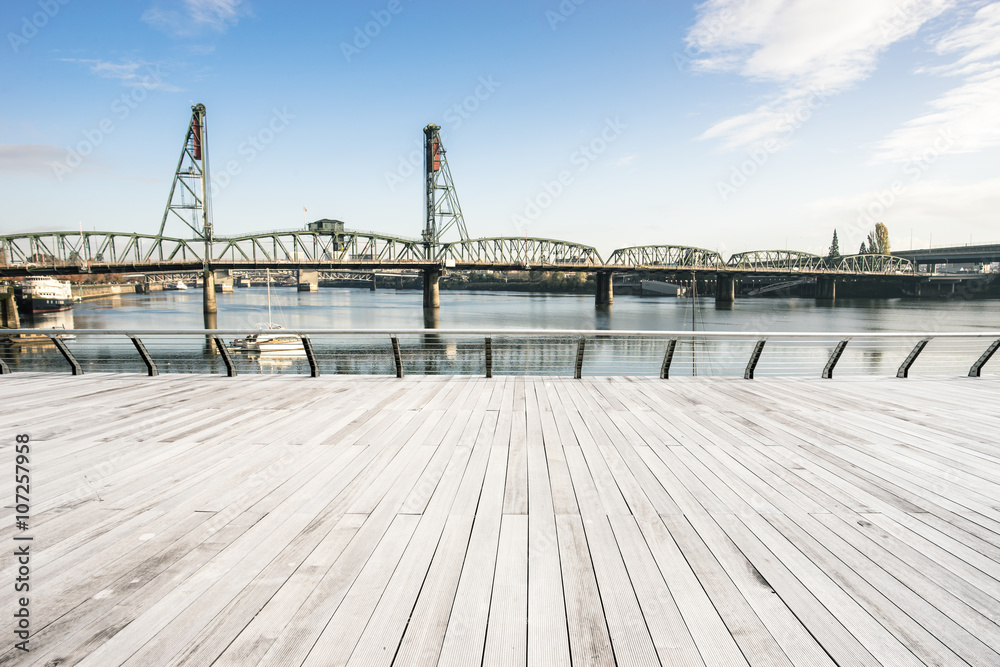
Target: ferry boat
(40, 294)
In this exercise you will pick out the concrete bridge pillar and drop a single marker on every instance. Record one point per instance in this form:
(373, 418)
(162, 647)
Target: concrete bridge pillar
(826, 288)
(605, 293)
(208, 291)
(373, 287)
(223, 280)
(308, 280)
(432, 296)
(725, 288)
(11, 320)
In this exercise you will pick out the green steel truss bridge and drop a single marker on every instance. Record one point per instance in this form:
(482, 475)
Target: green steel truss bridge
(327, 245)
(72, 252)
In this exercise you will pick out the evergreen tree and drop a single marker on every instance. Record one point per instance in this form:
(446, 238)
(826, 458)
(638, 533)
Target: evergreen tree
(834, 247)
(863, 250)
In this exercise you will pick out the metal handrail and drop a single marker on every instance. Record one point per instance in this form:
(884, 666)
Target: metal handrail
(483, 339)
(526, 332)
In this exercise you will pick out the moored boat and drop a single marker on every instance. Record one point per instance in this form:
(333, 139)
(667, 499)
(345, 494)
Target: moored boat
(41, 294)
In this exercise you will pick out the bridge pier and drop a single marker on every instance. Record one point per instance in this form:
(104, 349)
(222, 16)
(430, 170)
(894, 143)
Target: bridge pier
(11, 319)
(308, 280)
(208, 291)
(373, 287)
(432, 295)
(223, 279)
(826, 288)
(725, 289)
(605, 293)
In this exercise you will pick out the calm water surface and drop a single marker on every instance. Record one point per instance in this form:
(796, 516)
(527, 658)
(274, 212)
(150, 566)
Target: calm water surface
(332, 308)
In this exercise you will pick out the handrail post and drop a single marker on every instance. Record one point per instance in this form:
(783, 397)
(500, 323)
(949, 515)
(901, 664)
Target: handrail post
(310, 357)
(904, 368)
(220, 345)
(668, 356)
(578, 372)
(146, 359)
(978, 366)
(397, 357)
(834, 358)
(489, 357)
(754, 358)
(67, 355)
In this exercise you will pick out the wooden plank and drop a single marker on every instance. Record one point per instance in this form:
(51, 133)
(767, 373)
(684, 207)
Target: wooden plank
(589, 639)
(506, 631)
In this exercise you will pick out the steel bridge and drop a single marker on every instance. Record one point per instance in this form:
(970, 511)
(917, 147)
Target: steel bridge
(70, 252)
(326, 245)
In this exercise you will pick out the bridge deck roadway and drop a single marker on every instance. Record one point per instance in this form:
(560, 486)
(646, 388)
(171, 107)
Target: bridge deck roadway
(14, 270)
(440, 520)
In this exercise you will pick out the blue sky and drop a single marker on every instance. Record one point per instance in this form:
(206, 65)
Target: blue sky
(732, 124)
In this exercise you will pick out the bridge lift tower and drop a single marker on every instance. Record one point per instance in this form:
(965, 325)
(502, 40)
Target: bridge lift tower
(440, 199)
(442, 210)
(189, 195)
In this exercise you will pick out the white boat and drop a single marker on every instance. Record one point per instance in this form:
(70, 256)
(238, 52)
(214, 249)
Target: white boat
(179, 285)
(272, 338)
(40, 294)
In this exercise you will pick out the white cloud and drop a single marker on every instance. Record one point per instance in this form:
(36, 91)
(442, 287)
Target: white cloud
(804, 47)
(195, 16)
(35, 158)
(130, 72)
(956, 208)
(970, 111)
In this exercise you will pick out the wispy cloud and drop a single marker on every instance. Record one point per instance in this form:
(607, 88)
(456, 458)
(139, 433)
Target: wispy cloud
(31, 158)
(970, 111)
(129, 72)
(194, 17)
(925, 205)
(804, 48)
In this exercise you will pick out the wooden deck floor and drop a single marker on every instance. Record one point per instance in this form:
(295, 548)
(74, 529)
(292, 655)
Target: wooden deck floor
(193, 520)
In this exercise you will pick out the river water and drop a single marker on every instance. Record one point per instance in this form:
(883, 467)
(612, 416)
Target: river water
(332, 308)
(339, 308)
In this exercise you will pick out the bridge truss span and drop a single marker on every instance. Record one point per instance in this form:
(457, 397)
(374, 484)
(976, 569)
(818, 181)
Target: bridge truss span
(781, 260)
(519, 252)
(872, 264)
(666, 257)
(791, 261)
(317, 247)
(78, 251)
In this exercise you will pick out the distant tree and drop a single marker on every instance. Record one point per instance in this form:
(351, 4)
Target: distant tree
(834, 247)
(882, 236)
(878, 241)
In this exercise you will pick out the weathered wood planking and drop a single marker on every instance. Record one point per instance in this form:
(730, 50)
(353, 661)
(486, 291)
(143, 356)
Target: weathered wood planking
(200, 520)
